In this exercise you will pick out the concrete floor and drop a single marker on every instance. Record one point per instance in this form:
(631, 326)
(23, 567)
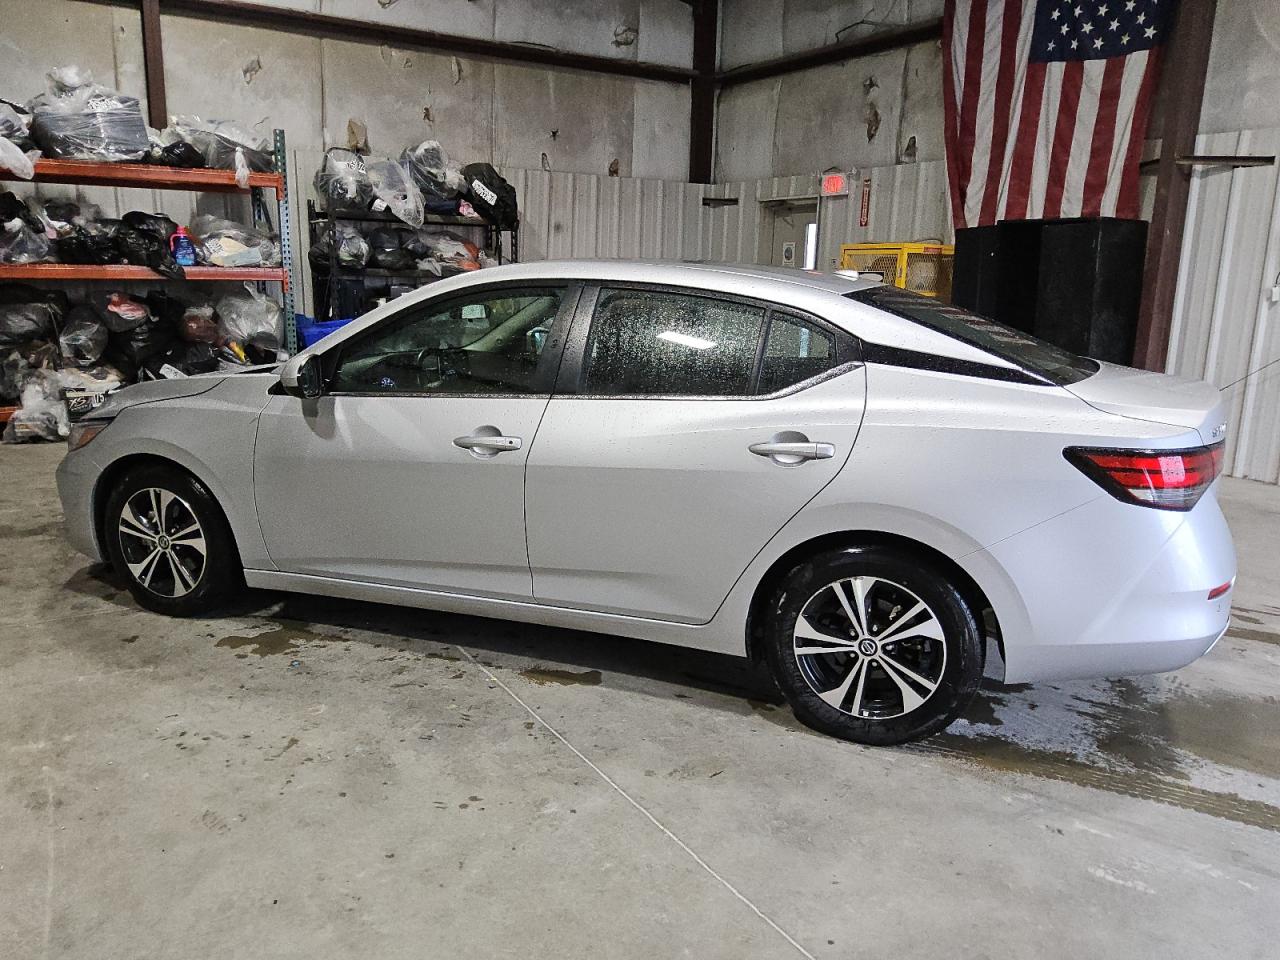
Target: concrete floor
(309, 778)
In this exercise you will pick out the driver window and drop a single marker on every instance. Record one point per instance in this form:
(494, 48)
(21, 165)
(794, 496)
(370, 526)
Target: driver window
(485, 343)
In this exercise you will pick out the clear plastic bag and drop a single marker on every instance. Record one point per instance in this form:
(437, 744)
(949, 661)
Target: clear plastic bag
(225, 145)
(395, 190)
(343, 180)
(77, 119)
(250, 317)
(21, 244)
(43, 415)
(84, 338)
(353, 249)
(432, 170)
(12, 158)
(223, 243)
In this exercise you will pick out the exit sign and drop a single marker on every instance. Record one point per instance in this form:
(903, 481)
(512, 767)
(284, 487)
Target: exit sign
(835, 185)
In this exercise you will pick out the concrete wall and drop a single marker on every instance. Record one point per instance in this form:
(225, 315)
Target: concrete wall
(887, 108)
(541, 118)
(869, 112)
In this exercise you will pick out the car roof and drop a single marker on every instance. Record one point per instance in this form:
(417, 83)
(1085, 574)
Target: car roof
(695, 273)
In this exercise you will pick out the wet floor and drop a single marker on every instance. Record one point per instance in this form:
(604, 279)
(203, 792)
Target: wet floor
(304, 776)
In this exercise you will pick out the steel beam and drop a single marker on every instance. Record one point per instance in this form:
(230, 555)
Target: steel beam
(240, 13)
(878, 42)
(153, 64)
(1182, 80)
(702, 91)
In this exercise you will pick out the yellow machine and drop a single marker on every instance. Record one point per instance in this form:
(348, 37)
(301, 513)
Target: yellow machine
(919, 267)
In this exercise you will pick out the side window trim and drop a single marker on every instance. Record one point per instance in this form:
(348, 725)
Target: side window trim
(573, 363)
(548, 363)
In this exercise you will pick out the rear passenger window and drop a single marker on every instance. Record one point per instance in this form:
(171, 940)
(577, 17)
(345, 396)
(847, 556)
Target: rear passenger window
(794, 352)
(645, 343)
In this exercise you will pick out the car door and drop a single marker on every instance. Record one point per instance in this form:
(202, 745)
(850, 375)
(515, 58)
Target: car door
(409, 469)
(686, 429)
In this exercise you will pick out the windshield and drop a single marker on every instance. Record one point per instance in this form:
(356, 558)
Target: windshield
(1030, 353)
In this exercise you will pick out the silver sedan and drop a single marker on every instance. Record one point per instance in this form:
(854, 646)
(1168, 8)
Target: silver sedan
(873, 492)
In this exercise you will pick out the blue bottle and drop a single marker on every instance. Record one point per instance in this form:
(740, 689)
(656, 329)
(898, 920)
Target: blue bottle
(184, 251)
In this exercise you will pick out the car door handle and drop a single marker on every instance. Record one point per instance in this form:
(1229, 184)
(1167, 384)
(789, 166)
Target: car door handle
(793, 451)
(486, 443)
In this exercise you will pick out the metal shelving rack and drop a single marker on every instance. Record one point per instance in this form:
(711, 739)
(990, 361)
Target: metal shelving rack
(148, 176)
(325, 222)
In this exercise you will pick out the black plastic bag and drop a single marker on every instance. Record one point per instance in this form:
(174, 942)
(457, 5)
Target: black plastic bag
(23, 322)
(180, 154)
(85, 245)
(491, 195)
(146, 249)
(386, 250)
(84, 337)
(123, 313)
(155, 223)
(150, 338)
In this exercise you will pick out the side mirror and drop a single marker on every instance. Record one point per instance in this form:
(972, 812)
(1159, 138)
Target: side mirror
(302, 377)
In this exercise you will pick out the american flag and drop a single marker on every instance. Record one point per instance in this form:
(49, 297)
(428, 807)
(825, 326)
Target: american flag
(1046, 105)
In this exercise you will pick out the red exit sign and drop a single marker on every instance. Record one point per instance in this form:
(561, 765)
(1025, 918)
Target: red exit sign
(835, 185)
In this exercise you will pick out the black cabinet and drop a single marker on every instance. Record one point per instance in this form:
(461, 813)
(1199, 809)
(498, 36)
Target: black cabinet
(1076, 283)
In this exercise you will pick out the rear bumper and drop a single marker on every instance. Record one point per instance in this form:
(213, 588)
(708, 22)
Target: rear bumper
(76, 476)
(1111, 589)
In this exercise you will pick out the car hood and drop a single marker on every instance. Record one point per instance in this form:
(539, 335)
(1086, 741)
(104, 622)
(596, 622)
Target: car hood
(1156, 397)
(152, 391)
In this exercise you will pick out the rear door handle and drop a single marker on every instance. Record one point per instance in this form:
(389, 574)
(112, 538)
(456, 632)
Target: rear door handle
(793, 451)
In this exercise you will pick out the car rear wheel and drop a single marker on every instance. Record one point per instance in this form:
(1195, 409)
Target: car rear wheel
(872, 645)
(167, 538)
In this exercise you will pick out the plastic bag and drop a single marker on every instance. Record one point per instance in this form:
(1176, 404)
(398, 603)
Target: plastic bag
(353, 248)
(395, 191)
(445, 248)
(20, 244)
(386, 249)
(90, 243)
(223, 243)
(491, 195)
(199, 326)
(250, 317)
(343, 180)
(179, 154)
(434, 173)
(22, 322)
(225, 145)
(18, 162)
(43, 415)
(15, 125)
(84, 338)
(123, 313)
(145, 248)
(77, 119)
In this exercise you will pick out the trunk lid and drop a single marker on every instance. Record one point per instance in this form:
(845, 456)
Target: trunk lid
(1155, 397)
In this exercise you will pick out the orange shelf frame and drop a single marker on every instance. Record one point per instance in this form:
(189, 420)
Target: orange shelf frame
(122, 272)
(147, 176)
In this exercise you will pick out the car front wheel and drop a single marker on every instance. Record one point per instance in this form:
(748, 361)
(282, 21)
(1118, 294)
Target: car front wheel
(872, 645)
(168, 539)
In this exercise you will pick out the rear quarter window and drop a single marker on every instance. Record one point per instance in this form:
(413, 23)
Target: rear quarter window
(1030, 353)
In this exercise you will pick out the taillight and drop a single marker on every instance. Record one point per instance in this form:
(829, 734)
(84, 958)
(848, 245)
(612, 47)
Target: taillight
(1167, 479)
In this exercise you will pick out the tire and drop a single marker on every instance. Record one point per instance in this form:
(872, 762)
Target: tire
(162, 563)
(904, 675)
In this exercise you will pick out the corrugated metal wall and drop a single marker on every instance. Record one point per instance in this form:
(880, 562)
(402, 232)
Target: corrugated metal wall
(1224, 318)
(906, 202)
